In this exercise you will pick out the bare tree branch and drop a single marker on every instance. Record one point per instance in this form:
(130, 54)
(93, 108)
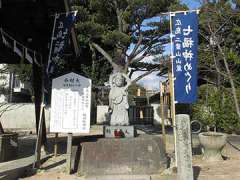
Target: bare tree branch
(145, 74)
(136, 46)
(106, 55)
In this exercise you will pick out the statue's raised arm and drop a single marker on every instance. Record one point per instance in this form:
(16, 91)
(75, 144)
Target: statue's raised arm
(111, 80)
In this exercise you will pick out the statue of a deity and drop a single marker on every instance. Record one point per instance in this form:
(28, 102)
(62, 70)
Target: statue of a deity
(118, 99)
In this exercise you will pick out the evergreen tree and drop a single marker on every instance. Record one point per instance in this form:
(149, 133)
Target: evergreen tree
(119, 32)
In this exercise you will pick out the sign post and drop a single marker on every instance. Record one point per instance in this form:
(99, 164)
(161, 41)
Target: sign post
(69, 152)
(56, 145)
(70, 107)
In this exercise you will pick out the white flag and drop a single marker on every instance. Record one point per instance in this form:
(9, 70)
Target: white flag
(27, 56)
(16, 50)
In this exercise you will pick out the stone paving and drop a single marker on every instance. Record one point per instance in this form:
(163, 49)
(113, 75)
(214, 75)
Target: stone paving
(54, 168)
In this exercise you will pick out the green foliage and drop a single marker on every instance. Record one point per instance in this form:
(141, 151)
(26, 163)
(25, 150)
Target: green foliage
(115, 37)
(23, 71)
(3, 77)
(221, 18)
(215, 108)
(98, 77)
(233, 57)
(219, 26)
(88, 31)
(115, 24)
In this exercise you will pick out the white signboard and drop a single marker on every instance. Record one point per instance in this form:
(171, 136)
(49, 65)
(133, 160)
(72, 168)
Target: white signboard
(70, 104)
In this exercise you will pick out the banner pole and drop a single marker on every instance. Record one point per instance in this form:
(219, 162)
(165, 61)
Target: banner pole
(176, 12)
(171, 81)
(73, 34)
(162, 104)
(50, 50)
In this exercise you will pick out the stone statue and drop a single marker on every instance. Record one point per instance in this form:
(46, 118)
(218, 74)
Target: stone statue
(118, 99)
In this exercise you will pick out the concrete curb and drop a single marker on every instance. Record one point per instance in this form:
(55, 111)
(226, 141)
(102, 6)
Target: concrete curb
(13, 169)
(131, 177)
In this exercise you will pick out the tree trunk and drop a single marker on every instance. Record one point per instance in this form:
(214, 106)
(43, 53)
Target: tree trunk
(233, 89)
(116, 67)
(93, 60)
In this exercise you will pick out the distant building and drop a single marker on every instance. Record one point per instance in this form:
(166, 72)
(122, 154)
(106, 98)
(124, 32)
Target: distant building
(12, 89)
(151, 92)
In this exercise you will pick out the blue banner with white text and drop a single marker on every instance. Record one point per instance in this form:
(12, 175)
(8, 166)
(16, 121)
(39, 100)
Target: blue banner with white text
(185, 56)
(61, 31)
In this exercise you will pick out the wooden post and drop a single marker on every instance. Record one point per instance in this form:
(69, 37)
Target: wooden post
(39, 112)
(138, 92)
(69, 152)
(56, 145)
(173, 113)
(37, 162)
(171, 83)
(162, 115)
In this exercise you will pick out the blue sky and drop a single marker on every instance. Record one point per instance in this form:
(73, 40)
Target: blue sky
(192, 4)
(151, 81)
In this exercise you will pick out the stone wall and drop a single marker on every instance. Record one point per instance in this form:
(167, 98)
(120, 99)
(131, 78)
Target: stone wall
(102, 111)
(21, 116)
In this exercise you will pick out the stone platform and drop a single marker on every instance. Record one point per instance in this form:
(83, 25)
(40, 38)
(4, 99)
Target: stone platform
(128, 156)
(119, 131)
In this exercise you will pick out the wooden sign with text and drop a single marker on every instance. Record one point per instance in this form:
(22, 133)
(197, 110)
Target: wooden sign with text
(70, 104)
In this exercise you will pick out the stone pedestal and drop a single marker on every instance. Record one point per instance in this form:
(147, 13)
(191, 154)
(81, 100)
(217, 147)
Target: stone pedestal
(213, 143)
(119, 131)
(8, 146)
(126, 156)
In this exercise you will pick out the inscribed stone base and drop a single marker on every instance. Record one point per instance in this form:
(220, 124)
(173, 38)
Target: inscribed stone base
(124, 156)
(119, 131)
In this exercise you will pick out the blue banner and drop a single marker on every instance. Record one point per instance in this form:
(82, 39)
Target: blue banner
(61, 31)
(185, 46)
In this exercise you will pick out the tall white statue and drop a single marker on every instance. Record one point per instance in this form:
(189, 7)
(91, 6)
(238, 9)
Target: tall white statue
(118, 99)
